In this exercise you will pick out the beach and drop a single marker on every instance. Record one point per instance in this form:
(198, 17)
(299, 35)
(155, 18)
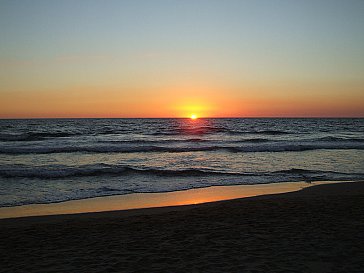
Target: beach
(316, 229)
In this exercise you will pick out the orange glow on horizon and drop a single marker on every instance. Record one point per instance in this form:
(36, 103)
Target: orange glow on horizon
(193, 116)
(185, 101)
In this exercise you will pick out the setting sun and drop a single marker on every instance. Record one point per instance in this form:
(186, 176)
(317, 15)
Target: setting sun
(193, 116)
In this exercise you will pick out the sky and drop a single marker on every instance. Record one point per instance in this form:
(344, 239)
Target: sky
(166, 58)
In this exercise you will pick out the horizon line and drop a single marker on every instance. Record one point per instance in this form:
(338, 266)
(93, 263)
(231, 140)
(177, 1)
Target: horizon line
(251, 117)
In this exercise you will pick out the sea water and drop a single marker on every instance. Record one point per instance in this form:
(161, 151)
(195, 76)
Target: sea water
(54, 160)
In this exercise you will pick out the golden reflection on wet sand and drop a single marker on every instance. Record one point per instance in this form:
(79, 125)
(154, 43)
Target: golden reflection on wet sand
(150, 200)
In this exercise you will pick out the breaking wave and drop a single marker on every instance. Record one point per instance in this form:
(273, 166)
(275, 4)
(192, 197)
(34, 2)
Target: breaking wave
(63, 171)
(271, 147)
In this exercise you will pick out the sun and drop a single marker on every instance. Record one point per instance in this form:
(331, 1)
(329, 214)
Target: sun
(193, 116)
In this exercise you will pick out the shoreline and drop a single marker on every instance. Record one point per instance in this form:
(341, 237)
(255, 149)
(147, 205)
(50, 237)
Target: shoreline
(136, 201)
(316, 229)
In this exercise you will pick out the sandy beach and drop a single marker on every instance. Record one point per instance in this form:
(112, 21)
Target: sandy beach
(317, 229)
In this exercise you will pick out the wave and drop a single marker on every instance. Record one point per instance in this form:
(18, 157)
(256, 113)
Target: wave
(251, 140)
(297, 147)
(272, 147)
(189, 140)
(104, 149)
(35, 136)
(296, 174)
(203, 130)
(159, 141)
(198, 131)
(260, 132)
(311, 172)
(339, 139)
(63, 171)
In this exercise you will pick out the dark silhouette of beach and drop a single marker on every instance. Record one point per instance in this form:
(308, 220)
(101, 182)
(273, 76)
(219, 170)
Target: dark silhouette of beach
(317, 229)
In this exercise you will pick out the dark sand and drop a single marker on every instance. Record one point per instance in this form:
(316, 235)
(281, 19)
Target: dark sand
(317, 229)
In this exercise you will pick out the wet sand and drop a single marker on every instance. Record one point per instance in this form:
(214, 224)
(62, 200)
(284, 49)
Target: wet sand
(152, 200)
(317, 229)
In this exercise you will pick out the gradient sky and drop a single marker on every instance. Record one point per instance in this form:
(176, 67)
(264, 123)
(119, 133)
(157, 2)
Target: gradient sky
(174, 58)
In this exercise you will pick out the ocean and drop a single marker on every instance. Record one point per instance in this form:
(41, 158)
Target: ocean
(54, 160)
